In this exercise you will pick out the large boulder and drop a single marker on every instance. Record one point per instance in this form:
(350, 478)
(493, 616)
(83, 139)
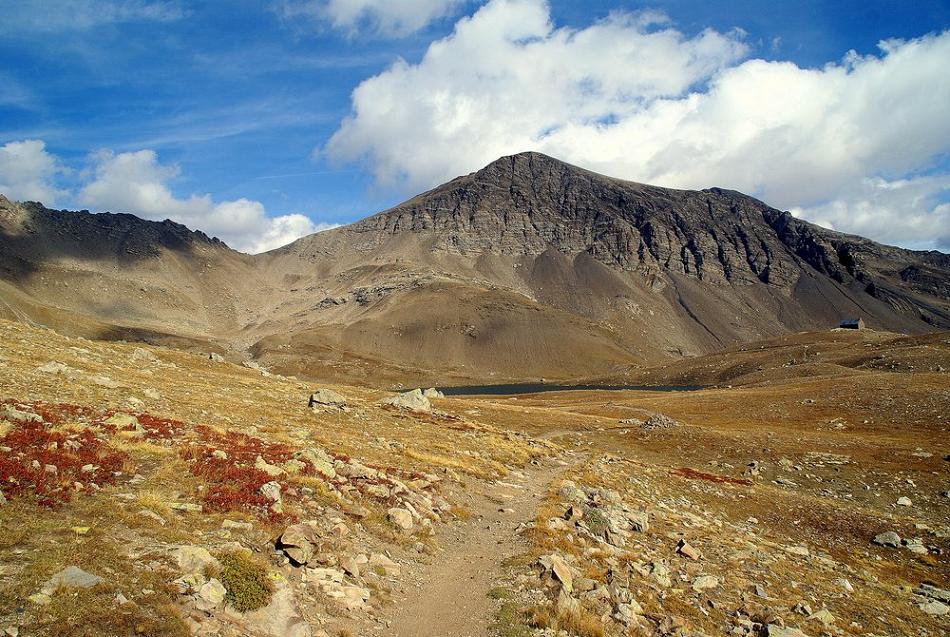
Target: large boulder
(413, 401)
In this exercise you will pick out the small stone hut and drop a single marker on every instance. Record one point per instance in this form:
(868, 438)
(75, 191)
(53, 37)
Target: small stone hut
(852, 324)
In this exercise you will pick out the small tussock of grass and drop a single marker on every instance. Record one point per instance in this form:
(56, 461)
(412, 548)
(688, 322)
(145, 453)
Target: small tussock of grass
(92, 613)
(596, 521)
(460, 512)
(245, 580)
(511, 621)
(460, 463)
(576, 621)
(155, 501)
(499, 592)
(519, 561)
(135, 447)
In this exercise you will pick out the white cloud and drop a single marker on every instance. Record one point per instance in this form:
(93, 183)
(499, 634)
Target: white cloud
(28, 171)
(906, 211)
(136, 182)
(47, 16)
(393, 18)
(633, 97)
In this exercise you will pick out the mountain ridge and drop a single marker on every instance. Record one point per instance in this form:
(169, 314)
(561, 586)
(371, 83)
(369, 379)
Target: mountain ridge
(527, 267)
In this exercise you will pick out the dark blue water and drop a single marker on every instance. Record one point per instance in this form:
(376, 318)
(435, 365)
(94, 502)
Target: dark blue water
(533, 388)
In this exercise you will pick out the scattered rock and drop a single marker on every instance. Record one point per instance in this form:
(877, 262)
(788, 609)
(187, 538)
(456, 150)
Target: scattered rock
(382, 564)
(54, 367)
(319, 459)
(104, 381)
(70, 577)
(270, 469)
(401, 518)
(211, 594)
(936, 608)
(195, 559)
(904, 501)
(556, 565)
(684, 548)
(298, 543)
(271, 491)
(824, 616)
(280, 618)
(774, 630)
(10, 413)
(140, 355)
(639, 521)
(570, 492)
(939, 594)
(705, 582)
(217, 358)
(659, 421)
(888, 538)
(323, 399)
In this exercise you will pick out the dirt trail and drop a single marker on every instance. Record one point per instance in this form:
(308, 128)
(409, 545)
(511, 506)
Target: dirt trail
(449, 596)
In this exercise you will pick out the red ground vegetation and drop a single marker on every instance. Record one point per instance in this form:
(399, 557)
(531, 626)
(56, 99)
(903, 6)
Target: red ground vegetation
(26, 470)
(234, 482)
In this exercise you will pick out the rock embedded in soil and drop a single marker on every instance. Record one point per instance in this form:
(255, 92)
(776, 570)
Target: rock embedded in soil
(888, 538)
(195, 559)
(297, 542)
(705, 582)
(774, 630)
(401, 518)
(685, 549)
(70, 577)
(323, 399)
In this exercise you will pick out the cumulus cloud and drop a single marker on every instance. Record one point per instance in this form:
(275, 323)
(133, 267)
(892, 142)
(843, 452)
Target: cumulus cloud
(137, 182)
(28, 172)
(381, 17)
(908, 212)
(47, 16)
(633, 97)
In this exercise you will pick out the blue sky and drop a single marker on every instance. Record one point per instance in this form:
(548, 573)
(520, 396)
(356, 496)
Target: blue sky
(228, 115)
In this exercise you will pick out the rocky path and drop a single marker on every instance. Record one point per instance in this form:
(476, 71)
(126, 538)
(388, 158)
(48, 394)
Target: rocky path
(449, 596)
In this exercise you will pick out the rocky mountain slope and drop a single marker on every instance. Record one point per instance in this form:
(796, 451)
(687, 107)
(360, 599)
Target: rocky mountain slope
(529, 267)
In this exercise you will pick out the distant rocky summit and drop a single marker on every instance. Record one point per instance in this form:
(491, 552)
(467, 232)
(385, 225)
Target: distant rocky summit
(529, 267)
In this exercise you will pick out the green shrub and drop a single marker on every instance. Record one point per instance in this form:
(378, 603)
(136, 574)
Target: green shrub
(596, 521)
(246, 582)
